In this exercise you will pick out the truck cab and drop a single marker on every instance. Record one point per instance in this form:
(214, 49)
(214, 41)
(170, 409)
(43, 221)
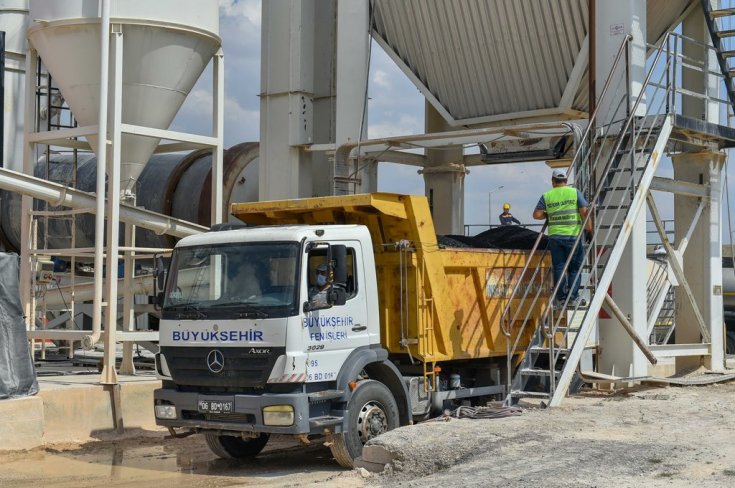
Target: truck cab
(247, 350)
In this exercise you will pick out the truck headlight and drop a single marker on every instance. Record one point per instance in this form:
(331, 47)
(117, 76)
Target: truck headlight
(278, 415)
(165, 411)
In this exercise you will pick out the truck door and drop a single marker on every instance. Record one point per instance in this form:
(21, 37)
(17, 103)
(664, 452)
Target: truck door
(330, 334)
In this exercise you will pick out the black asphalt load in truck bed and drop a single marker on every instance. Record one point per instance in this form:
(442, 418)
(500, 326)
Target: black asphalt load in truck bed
(504, 237)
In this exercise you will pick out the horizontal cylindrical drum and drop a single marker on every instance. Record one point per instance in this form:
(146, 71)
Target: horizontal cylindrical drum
(177, 184)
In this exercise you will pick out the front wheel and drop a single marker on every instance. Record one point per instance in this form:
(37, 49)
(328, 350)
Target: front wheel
(231, 447)
(371, 411)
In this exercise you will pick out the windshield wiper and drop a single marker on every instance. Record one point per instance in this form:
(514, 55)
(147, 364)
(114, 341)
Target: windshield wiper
(246, 310)
(252, 313)
(188, 311)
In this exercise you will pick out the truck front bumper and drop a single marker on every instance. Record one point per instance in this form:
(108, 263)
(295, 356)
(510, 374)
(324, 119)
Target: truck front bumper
(247, 416)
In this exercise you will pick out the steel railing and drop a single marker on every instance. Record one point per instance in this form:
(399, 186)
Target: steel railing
(623, 135)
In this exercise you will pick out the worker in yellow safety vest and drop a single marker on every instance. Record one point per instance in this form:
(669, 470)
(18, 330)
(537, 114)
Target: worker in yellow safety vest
(506, 218)
(564, 207)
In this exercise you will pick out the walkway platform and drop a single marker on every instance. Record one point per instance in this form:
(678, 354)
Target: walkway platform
(75, 408)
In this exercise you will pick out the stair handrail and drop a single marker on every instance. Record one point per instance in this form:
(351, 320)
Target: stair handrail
(608, 165)
(598, 185)
(712, 28)
(622, 50)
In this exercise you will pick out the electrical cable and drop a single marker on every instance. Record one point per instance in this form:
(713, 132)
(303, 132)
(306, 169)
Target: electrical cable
(484, 413)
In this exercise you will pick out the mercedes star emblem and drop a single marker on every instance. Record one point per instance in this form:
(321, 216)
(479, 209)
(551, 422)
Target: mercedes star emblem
(216, 361)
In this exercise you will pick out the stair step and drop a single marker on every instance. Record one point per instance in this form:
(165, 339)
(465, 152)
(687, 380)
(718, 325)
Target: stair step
(728, 54)
(544, 350)
(534, 394)
(726, 33)
(563, 328)
(624, 170)
(613, 207)
(723, 12)
(615, 188)
(538, 372)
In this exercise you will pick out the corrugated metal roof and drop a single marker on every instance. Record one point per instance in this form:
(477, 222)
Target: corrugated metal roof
(480, 59)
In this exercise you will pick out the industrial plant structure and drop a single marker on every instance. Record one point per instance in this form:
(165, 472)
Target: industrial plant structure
(606, 89)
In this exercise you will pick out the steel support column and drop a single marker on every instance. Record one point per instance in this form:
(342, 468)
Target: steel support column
(619, 355)
(287, 98)
(218, 117)
(702, 261)
(109, 373)
(353, 47)
(444, 179)
(29, 156)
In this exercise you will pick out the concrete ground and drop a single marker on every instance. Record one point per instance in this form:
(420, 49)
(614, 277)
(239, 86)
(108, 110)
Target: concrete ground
(650, 436)
(670, 436)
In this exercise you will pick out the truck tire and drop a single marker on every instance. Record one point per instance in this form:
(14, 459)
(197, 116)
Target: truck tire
(371, 411)
(231, 447)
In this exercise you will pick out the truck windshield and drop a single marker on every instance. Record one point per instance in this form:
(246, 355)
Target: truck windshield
(236, 280)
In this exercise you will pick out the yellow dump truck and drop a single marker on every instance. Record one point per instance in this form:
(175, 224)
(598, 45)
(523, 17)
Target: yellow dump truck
(335, 315)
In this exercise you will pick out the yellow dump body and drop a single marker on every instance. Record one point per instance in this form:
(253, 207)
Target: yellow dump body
(436, 304)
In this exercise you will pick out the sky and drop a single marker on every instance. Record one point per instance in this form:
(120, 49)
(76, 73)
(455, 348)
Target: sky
(395, 107)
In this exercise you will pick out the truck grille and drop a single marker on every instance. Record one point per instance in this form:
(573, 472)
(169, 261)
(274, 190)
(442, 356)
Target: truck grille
(189, 367)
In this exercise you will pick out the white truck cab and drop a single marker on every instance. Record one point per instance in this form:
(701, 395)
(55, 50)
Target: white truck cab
(246, 350)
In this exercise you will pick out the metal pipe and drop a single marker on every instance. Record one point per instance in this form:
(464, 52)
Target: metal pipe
(76, 199)
(26, 205)
(99, 223)
(613, 307)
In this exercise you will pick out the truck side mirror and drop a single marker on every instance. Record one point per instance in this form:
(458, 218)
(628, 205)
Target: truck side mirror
(309, 306)
(339, 255)
(338, 296)
(156, 301)
(160, 273)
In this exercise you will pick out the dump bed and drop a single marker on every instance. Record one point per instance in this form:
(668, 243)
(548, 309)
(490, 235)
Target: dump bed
(437, 304)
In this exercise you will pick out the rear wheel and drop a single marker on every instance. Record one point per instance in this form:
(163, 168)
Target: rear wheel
(231, 447)
(371, 411)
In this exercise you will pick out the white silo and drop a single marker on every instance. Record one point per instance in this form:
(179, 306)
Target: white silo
(14, 22)
(167, 45)
(124, 67)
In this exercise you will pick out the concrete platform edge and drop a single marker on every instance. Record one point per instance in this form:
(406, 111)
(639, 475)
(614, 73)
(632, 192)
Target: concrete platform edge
(73, 412)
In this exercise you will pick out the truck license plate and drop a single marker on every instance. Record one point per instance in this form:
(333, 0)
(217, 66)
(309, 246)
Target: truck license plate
(216, 406)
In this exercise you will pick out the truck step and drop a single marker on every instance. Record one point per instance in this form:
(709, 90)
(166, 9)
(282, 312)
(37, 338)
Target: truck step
(321, 396)
(322, 422)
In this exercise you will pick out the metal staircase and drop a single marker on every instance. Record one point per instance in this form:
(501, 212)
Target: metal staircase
(624, 142)
(721, 33)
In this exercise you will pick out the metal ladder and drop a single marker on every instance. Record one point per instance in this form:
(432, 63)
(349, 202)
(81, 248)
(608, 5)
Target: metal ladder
(624, 142)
